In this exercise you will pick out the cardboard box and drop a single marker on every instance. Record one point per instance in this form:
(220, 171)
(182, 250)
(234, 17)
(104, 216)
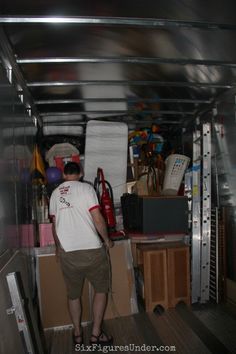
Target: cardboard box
(52, 292)
(122, 301)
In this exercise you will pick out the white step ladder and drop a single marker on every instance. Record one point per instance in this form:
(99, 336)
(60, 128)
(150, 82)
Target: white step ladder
(18, 309)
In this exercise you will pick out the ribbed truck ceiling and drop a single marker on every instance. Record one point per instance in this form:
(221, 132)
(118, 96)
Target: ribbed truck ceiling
(139, 62)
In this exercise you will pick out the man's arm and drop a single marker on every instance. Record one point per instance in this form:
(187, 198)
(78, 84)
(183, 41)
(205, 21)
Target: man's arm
(56, 239)
(101, 226)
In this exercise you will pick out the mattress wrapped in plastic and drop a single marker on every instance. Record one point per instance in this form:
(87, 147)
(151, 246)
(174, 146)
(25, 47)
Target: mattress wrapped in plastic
(106, 147)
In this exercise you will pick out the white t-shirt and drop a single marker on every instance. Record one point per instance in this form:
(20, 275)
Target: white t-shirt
(70, 204)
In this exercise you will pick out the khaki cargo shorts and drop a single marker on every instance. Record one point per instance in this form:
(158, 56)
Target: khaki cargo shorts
(90, 264)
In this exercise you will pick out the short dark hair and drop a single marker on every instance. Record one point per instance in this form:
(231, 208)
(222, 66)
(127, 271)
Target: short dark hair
(72, 168)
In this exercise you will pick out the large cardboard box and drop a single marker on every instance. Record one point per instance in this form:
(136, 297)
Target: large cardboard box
(122, 299)
(52, 292)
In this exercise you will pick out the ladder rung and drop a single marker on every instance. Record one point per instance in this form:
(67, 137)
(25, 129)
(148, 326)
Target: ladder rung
(197, 139)
(198, 159)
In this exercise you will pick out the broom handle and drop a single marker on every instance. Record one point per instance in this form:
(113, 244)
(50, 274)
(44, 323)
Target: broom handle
(100, 171)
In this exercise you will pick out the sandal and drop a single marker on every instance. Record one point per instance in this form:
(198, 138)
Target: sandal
(101, 339)
(78, 339)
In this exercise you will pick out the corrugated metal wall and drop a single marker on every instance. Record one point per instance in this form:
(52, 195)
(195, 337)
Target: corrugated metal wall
(224, 165)
(17, 136)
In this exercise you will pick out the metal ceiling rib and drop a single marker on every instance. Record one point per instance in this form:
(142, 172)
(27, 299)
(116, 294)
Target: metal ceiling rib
(137, 121)
(121, 112)
(131, 100)
(116, 21)
(131, 83)
(127, 60)
(26, 62)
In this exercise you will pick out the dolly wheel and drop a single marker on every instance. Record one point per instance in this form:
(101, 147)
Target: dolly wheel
(158, 310)
(181, 304)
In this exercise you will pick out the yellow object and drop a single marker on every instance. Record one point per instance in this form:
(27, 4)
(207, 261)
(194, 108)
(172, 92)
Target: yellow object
(37, 168)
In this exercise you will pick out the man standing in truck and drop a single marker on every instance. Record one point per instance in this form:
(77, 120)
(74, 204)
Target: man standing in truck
(79, 229)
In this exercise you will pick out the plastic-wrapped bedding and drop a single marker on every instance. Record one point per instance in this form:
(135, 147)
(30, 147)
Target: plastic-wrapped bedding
(106, 147)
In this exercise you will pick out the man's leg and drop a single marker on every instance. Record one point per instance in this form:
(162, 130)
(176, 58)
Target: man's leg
(75, 313)
(99, 306)
(99, 276)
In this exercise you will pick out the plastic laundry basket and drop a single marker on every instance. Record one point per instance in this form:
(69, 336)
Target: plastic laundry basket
(175, 167)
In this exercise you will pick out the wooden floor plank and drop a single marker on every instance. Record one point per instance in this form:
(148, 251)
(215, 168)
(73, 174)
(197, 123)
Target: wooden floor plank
(175, 333)
(213, 342)
(221, 324)
(171, 329)
(48, 338)
(146, 328)
(125, 332)
(55, 348)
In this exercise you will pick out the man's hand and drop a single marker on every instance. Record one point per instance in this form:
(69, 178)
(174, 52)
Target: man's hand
(109, 243)
(101, 227)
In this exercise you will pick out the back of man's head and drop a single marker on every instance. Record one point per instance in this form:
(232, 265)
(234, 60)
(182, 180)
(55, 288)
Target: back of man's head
(72, 168)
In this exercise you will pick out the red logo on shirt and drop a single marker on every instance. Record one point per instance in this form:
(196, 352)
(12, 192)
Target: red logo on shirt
(64, 190)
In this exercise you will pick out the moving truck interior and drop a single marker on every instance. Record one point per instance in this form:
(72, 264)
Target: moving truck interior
(142, 95)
